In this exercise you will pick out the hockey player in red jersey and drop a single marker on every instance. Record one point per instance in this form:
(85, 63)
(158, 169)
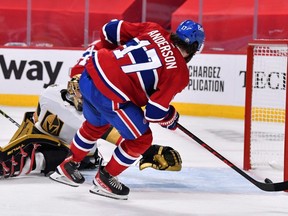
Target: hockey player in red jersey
(140, 65)
(42, 140)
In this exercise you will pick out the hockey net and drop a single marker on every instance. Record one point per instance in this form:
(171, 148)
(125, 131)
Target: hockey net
(266, 118)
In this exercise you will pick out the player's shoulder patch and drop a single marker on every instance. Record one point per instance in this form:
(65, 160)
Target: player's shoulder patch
(51, 123)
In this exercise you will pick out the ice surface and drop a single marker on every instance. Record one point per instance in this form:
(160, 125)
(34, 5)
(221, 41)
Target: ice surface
(205, 186)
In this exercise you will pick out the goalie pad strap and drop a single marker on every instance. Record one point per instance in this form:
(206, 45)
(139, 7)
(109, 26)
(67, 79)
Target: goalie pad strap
(22, 161)
(35, 146)
(13, 164)
(5, 170)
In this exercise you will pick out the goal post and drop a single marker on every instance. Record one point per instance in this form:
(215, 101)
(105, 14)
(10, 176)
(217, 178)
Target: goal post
(266, 105)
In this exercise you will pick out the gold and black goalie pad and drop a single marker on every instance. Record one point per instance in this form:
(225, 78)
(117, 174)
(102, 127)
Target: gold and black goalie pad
(24, 141)
(161, 158)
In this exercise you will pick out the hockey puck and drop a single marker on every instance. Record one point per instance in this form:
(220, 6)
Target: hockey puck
(268, 181)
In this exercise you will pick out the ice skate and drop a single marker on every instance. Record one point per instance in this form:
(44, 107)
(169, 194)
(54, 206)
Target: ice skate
(67, 173)
(106, 185)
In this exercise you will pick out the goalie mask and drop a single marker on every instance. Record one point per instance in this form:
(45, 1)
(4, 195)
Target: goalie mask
(74, 95)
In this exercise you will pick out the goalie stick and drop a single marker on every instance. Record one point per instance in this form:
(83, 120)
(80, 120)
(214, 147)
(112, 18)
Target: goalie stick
(10, 119)
(271, 187)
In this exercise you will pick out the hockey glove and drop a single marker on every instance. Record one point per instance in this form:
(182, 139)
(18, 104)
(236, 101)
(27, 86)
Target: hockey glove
(171, 119)
(161, 158)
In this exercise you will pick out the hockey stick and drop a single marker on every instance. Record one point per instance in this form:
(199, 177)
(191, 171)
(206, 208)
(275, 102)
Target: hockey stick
(10, 119)
(280, 186)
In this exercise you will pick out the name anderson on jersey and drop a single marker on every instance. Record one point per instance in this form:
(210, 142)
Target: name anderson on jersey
(165, 48)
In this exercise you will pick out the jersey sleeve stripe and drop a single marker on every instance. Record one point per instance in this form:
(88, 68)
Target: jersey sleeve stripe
(155, 112)
(111, 31)
(118, 32)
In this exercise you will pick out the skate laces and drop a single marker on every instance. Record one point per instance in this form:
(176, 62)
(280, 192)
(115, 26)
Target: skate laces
(115, 183)
(113, 180)
(75, 166)
(76, 172)
(72, 168)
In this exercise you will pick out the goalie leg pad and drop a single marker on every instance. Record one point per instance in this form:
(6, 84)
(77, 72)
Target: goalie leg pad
(14, 155)
(53, 157)
(25, 143)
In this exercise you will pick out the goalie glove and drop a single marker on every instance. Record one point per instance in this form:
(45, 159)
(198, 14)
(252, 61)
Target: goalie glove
(161, 158)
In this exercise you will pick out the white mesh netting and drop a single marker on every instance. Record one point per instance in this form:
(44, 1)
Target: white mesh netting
(268, 104)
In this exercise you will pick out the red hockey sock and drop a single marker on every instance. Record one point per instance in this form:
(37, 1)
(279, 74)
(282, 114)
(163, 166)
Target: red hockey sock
(85, 139)
(77, 153)
(114, 168)
(128, 152)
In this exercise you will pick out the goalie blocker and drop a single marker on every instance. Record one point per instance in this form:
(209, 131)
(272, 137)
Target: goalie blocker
(19, 156)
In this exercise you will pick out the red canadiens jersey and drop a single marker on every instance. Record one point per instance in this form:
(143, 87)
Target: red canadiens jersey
(147, 69)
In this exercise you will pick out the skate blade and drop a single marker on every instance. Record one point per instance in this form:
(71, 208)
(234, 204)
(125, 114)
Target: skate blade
(62, 179)
(102, 192)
